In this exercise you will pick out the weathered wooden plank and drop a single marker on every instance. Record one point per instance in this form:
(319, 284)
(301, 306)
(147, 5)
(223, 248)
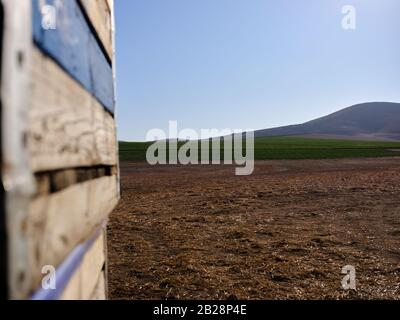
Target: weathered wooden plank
(55, 181)
(57, 223)
(17, 180)
(73, 46)
(68, 128)
(111, 5)
(106, 264)
(92, 267)
(88, 280)
(99, 292)
(3, 220)
(52, 120)
(73, 289)
(99, 12)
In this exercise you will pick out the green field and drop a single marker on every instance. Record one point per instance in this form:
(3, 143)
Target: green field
(290, 148)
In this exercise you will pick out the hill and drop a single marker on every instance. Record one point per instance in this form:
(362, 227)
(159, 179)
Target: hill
(371, 121)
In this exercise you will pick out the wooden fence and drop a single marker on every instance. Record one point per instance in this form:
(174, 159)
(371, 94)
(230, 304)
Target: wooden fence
(58, 146)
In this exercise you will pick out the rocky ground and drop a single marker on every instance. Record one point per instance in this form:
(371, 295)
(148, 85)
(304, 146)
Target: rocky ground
(285, 232)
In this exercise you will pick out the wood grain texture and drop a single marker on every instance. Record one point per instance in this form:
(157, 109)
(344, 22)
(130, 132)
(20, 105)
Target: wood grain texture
(16, 177)
(92, 268)
(73, 289)
(75, 48)
(111, 6)
(57, 223)
(99, 12)
(88, 282)
(100, 290)
(68, 127)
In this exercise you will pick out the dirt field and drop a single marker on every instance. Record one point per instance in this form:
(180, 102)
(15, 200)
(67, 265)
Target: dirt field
(284, 232)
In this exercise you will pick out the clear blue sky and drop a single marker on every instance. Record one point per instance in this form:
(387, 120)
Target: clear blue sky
(250, 64)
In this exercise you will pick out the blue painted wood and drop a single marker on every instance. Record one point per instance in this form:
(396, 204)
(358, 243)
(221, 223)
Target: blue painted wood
(74, 47)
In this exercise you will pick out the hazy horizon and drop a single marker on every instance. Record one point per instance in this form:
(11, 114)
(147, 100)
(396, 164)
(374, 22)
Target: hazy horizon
(262, 129)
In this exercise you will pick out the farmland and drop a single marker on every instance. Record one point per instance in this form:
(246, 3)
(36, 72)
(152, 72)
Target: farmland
(311, 207)
(277, 148)
(286, 231)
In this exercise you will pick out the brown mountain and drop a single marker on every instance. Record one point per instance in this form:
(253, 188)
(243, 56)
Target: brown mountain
(374, 120)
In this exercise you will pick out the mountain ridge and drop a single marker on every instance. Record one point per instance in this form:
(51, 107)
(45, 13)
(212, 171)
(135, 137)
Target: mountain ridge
(371, 120)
